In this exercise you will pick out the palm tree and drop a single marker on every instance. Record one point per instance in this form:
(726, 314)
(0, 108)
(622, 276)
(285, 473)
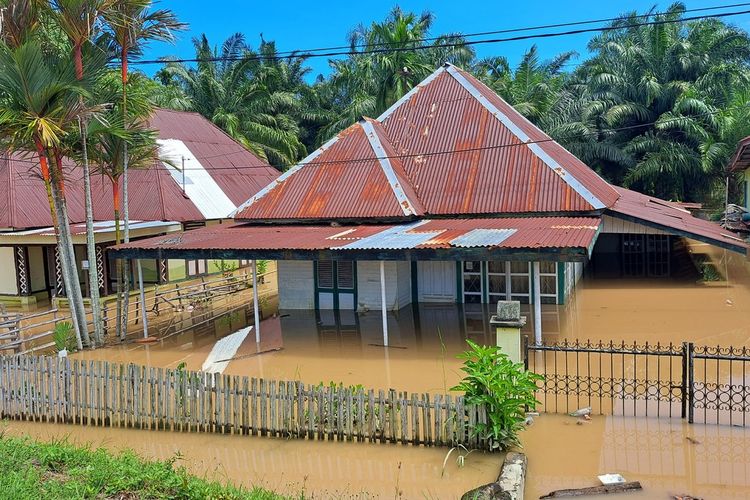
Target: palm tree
(366, 84)
(80, 20)
(133, 24)
(656, 91)
(41, 105)
(254, 97)
(533, 87)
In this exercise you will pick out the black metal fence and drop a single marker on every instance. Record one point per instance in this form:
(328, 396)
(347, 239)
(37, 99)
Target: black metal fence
(698, 383)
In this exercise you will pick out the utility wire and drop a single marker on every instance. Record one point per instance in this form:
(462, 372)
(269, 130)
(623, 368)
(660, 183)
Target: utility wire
(298, 52)
(452, 151)
(446, 45)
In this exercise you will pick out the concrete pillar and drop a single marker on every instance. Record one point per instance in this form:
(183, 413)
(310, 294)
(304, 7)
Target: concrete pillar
(537, 292)
(508, 323)
(256, 310)
(383, 307)
(143, 298)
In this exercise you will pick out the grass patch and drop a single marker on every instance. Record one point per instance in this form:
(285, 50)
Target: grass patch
(31, 469)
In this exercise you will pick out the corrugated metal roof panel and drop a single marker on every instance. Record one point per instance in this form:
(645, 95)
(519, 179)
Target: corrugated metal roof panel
(154, 194)
(670, 215)
(492, 172)
(347, 179)
(482, 238)
(530, 232)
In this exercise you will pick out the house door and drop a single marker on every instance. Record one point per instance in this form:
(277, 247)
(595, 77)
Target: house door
(335, 284)
(436, 281)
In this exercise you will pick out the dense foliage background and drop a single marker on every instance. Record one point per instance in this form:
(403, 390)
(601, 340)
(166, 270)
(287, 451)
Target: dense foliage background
(656, 107)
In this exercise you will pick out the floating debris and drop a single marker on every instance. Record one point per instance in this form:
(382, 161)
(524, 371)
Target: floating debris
(581, 412)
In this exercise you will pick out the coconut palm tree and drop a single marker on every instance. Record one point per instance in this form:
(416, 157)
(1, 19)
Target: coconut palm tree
(81, 20)
(41, 104)
(132, 24)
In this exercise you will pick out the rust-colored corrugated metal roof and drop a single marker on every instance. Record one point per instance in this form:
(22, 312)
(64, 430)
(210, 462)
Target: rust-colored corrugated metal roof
(353, 177)
(154, 193)
(741, 158)
(670, 216)
(237, 171)
(530, 233)
(458, 149)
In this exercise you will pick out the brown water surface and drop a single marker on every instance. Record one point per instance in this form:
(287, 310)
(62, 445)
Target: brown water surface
(321, 469)
(714, 463)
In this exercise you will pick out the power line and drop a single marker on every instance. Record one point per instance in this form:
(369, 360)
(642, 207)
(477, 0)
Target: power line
(453, 151)
(447, 45)
(297, 52)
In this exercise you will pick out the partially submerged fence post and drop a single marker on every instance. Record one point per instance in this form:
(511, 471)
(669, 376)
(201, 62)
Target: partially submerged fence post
(508, 323)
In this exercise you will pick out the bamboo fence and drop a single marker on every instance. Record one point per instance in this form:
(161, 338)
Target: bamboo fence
(104, 394)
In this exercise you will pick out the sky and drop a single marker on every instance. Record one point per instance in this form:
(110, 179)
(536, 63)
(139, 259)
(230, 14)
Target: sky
(304, 25)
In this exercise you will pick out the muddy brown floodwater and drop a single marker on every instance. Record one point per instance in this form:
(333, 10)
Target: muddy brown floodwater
(668, 456)
(321, 469)
(346, 347)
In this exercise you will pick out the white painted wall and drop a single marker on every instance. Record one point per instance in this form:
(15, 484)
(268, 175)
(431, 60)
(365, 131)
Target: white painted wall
(7, 272)
(296, 284)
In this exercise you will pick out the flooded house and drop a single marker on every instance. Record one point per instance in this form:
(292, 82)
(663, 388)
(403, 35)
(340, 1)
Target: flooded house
(451, 196)
(201, 177)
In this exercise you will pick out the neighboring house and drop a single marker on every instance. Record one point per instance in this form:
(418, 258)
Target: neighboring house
(218, 175)
(450, 196)
(740, 162)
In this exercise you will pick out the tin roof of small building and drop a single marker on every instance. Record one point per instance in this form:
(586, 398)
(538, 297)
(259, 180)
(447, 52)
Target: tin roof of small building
(673, 218)
(741, 158)
(220, 174)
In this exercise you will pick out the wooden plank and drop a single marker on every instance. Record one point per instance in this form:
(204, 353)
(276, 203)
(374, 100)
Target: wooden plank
(428, 420)
(263, 407)
(272, 407)
(254, 406)
(360, 414)
(245, 406)
(218, 427)
(415, 437)
(404, 408)
(311, 413)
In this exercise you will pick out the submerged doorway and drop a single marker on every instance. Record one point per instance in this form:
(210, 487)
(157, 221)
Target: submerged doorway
(335, 284)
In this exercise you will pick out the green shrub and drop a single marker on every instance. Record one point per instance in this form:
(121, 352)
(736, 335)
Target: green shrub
(505, 388)
(63, 336)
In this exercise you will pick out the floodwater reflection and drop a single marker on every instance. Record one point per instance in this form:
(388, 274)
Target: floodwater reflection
(668, 456)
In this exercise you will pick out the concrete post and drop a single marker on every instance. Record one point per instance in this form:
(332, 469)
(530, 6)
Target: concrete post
(508, 323)
(537, 292)
(256, 310)
(143, 298)
(383, 306)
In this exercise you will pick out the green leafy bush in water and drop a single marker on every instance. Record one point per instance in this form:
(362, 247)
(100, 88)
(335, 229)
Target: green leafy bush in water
(63, 336)
(505, 388)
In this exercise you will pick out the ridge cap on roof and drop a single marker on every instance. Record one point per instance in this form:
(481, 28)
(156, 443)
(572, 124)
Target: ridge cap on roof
(392, 168)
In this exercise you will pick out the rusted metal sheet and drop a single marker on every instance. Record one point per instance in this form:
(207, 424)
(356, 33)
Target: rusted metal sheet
(519, 233)
(673, 218)
(354, 177)
(741, 158)
(154, 194)
(497, 172)
(237, 171)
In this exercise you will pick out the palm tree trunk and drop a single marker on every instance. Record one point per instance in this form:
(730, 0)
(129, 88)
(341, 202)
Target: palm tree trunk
(67, 256)
(116, 202)
(126, 239)
(126, 212)
(96, 306)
